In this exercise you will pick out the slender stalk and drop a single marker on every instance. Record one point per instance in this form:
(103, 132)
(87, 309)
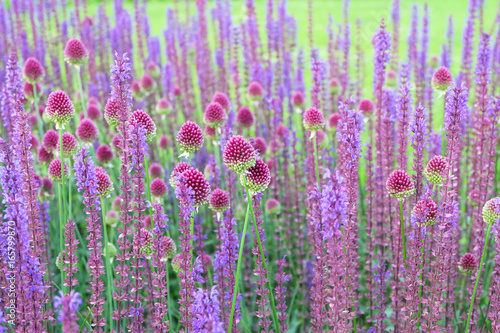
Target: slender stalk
(217, 157)
(488, 231)
(403, 233)
(422, 279)
(316, 164)
(108, 266)
(61, 232)
(39, 118)
(62, 217)
(149, 190)
(80, 87)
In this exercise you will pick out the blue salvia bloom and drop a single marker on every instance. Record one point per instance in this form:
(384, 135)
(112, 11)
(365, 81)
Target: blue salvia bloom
(350, 126)
(206, 310)
(382, 45)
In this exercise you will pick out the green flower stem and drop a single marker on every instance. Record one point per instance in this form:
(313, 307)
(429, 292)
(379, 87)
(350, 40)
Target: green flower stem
(422, 279)
(316, 163)
(61, 229)
(39, 118)
(488, 232)
(108, 266)
(146, 167)
(403, 233)
(80, 87)
(238, 269)
(62, 216)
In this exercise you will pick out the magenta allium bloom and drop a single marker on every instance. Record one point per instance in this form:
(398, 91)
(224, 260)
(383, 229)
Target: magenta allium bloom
(104, 182)
(433, 60)
(334, 86)
(222, 99)
(298, 99)
(70, 145)
(153, 69)
(257, 177)
(46, 187)
(156, 170)
(333, 122)
(275, 145)
(87, 131)
(239, 154)
(255, 93)
(320, 137)
(136, 89)
(104, 154)
(245, 117)
(93, 101)
(259, 144)
(33, 71)
(75, 53)
(28, 91)
(34, 143)
(44, 156)
(491, 211)
(399, 185)
(169, 247)
(176, 262)
(467, 264)
(273, 206)
(210, 132)
(436, 170)
(474, 196)
(427, 211)
(141, 117)
(93, 112)
(112, 218)
(190, 138)
(147, 83)
(219, 201)
(117, 141)
(158, 188)
(179, 169)
(59, 108)
(313, 120)
(282, 131)
(111, 112)
(32, 122)
(214, 115)
(442, 79)
(391, 78)
(366, 106)
(195, 180)
(163, 142)
(145, 242)
(82, 116)
(163, 106)
(55, 172)
(177, 91)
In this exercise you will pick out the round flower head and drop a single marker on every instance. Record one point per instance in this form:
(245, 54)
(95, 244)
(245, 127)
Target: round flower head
(313, 120)
(366, 106)
(70, 145)
(426, 211)
(111, 112)
(117, 141)
(169, 247)
(259, 144)
(141, 117)
(147, 222)
(399, 185)
(55, 172)
(177, 91)
(334, 86)
(245, 117)
(50, 140)
(434, 60)
(210, 132)
(255, 92)
(219, 201)
(274, 146)
(87, 131)
(158, 189)
(104, 182)
(206, 261)
(75, 53)
(467, 263)
(46, 187)
(153, 69)
(93, 101)
(112, 252)
(222, 99)
(320, 137)
(436, 169)
(214, 115)
(112, 218)
(281, 130)
(32, 120)
(474, 196)
(34, 143)
(104, 154)
(391, 78)
(93, 112)
(136, 89)
(146, 242)
(190, 138)
(163, 142)
(239, 154)
(163, 106)
(273, 206)
(179, 169)
(59, 263)
(33, 71)
(29, 94)
(258, 177)
(199, 184)
(176, 262)
(298, 100)
(116, 203)
(43, 156)
(491, 211)
(147, 83)
(59, 108)
(442, 79)
(82, 116)
(155, 170)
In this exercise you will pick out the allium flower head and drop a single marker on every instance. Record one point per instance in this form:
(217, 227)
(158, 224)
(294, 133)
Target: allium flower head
(399, 185)
(206, 260)
(163, 106)
(210, 132)
(59, 108)
(491, 211)
(258, 177)
(75, 53)
(219, 201)
(104, 182)
(50, 140)
(156, 170)
(190, 138)
(141, 117)
(70, 145)
(259, 144)
(146, 240)
(273, 206)
(334, 85)
(93, 112)
(104, 154)
(199, 184)
(158, 189)
(442, 79)
(179, 169)
(222, 99)
(434, 60)
(117, 141)
(467, 263)
(366, 106)
(93, 101)
(46, 187)
(112, 252)
(59, 263)
(214, 115)
(111, 112)
(112, 218)
(32, 70)
(474, 196)
(244, 117)
(313, 120)
(298, 99)
(55, 172)
(147, 83)
(239, 154)
(153, 69)
(281, 130)
(169, 247)
(176, 262)
(391, 78)
(177, 91)
(136, 89)
(163, 142)
(427, 210)
(44, 156)
(436, 169)
(87, 131)
(29, 94)
(275, 145)
(255, 92)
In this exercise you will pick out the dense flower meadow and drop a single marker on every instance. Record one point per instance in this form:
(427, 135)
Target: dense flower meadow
(223, 177)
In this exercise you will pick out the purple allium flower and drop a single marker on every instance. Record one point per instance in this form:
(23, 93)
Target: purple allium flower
(255, 93)
(399, 185)
(50, 140)
(93, 112)
(313, 120)
(214, 115)
(436, 170)
(153, 69)
(222, 100)
(467, 264)
(298, 99)
(87, 131)
(260, 145)
(179, 169)
(275, 146)
(190, 138)
(333, 122)
(391, 78)
(163, 142)
(46, 187)
(210, 132)
(44, 156)
(366, 106)
(491, 211)
(145, 242)
(29, 94)
(141, 117)
(59, 108)
(54, 171)
(334, 86)
(70, 145)
(147, 83)
(195, 180)
(474, 196)
(104, 182)
(426, 211)
(33, 71)
(158, 188)
(257, 177)
(245, 117)
(239, 154)
(117, 141)
(75, 53)
(219, 201)
(169, 247)
(163, 106)
(112, 218)
(69, 305)
(273, 206)
(176, 262)
(442, 79)
(156, 170)
(111, 112)
(282, 131)
(104, 154)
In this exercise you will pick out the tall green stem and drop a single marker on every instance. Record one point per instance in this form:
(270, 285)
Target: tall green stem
(80, 87)
(62, 214)
(37, 112)
(403, 233)
(488, 231)
(108, 266)
(61, 230)
(316, 163)
(422, 279)
(146, 167)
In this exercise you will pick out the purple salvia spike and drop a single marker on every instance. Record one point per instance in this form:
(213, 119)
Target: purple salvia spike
(280, 290)
(70, 261)
(404, 113)
(419, 139)
(396, 19)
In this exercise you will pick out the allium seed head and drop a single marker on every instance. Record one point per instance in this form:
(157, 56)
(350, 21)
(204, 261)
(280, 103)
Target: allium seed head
(255, 92)
(190, 137)
(467, 264)
(210, 132)
(112, 252)
(146, 240)
(206, 261)
(442, 79)
(93, 101)
(55, 172)
(169, 246)
(104, 182)
(281, 130)
(245, 117)
(219, 201)
(275, 146)
(320, 137)
(104, 154)
(179, 169)
(214, 115)
(273, 206)
(112, 218)
(141, 117)
(163, 106)
(199, 184)
(147, 83)
(158, 188)
(426, 209)
(259, 144)
(222, 99)
(366, 106)
(136, 89)
(156, 170)
(177, 91)
(153, 69)
(46, 187)
(258, 177)
(436, 169)
(239, 154)
(87, 131)
(70, 145)
(474, 196)
(491, 211)
(399, 185)
(93, 112)
(75, 53)
(434, 60)
(313, 120)
(33, 71)
(111, 112)
(44, 156)
(298, 99)
(29, 94)
(50, 140)
(59, 108)
(176, 262)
